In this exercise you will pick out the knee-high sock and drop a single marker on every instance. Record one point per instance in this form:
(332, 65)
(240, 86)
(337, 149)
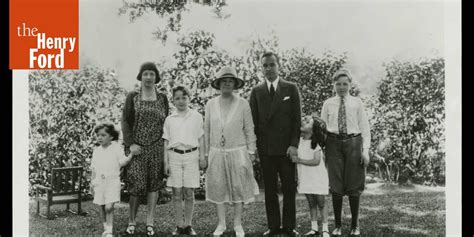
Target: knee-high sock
(354, 204)
(337, 206)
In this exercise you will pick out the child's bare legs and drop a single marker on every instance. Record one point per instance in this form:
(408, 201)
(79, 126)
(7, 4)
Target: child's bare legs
(313, 210)
(178, 206)
(323, 209)
(103, 216)
(188, 206)
(109, 216)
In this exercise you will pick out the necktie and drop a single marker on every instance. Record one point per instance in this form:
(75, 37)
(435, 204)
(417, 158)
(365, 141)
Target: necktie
(272, 90)
(341, 118)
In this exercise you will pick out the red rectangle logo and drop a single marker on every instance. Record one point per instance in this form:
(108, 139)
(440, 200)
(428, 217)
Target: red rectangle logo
(44, 34)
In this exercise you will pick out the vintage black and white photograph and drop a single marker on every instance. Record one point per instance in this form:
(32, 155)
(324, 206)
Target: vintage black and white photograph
(243, 118)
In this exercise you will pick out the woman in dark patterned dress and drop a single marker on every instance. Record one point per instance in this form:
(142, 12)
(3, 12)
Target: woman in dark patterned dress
(143, 117)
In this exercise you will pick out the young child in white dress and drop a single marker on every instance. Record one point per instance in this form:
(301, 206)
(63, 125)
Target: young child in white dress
(107, 159)
(312, 174)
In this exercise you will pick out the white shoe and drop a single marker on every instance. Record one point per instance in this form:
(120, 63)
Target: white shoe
(239, 231)
(219, 230)
(337, 231)
(107, 233)
(311, 233)
(326, 233)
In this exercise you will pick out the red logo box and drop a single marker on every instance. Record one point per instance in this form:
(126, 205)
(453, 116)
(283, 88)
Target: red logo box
(44, 34)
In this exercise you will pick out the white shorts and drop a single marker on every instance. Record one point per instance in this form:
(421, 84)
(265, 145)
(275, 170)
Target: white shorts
(107, 190)
(184, 170)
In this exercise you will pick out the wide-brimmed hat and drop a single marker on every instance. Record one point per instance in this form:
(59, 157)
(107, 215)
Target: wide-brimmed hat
(342, 72)
(149, 66)
(227, 72)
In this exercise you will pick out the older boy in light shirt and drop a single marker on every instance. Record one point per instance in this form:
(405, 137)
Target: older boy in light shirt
(184, 154)
(347, 148)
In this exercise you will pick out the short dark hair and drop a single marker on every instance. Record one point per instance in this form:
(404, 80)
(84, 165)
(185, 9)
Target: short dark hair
(108, 128)
(183, 89)
(149, 66)
(269, 54)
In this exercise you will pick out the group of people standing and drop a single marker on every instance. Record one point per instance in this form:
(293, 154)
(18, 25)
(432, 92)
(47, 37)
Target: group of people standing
(234, 134)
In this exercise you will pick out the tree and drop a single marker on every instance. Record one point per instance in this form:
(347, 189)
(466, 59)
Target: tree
(408, 121)
(171, 10)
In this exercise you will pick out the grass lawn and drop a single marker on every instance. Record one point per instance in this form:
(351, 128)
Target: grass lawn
(386, 210)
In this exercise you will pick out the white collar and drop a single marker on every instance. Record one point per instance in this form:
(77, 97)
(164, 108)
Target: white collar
(345, 97)
(275, 83)
(175, 113)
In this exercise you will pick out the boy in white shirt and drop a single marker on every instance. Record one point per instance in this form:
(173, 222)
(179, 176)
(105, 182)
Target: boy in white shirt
(184, 153)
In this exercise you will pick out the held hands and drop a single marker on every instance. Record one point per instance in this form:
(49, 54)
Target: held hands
(253, 158)
(292, 151)
(365, 159)
(135, 149)
(202, 163)
(295, 159)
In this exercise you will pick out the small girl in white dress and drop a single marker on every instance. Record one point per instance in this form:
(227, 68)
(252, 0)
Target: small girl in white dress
(107, 159)
(312, 174)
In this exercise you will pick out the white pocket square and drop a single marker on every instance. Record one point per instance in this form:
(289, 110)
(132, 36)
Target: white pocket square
(286, 97)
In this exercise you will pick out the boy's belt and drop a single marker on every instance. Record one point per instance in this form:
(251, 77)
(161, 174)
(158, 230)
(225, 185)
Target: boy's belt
(343, 136)
(183, 151)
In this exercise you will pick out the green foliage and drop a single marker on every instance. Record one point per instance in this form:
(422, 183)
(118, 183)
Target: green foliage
(408, 121)
(64, 108)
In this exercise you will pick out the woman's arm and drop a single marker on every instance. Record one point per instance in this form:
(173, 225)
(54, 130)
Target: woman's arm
(249, 129)
(126, 121)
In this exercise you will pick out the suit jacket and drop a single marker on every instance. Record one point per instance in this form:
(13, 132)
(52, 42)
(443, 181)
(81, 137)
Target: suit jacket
(278, 121)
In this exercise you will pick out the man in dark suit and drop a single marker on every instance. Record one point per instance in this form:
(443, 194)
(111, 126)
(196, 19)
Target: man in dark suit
(276, 113)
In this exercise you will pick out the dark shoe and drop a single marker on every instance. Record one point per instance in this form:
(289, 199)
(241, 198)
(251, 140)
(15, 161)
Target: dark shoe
(188, 230)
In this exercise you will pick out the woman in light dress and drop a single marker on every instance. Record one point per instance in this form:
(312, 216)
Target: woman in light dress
(231, 147)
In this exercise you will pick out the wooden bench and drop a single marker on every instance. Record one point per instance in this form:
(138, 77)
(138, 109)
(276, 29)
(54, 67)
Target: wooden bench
(66, 186)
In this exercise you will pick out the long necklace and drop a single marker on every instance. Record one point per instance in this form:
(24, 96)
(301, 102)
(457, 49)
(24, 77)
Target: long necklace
(223, 122)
